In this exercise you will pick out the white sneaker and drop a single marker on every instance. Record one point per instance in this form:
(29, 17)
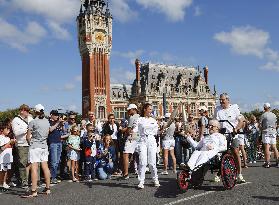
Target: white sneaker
(156, 183)
(217, 179)
(240, 179)
(164, 172)
(255, 162)
(6, 186)
(174, 171)
(141, 186)
(13, 184)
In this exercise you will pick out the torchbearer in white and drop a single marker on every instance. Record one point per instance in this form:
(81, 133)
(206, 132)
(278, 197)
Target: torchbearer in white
(147, 128)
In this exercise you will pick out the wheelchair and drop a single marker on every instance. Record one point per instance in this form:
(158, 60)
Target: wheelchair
(223, 163)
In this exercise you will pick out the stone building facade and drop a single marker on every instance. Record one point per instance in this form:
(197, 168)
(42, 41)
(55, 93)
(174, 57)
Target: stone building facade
(187, 85)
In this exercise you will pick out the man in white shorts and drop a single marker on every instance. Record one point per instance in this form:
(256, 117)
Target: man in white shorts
(37, 135)
(132, 139)
(268, 126)
(231, 112)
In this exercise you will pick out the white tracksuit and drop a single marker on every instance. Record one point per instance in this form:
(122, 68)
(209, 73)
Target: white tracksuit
(202, 154)
(147, 128)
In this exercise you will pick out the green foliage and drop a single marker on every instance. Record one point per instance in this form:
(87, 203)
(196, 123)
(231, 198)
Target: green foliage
(10, 114)
(257, 113)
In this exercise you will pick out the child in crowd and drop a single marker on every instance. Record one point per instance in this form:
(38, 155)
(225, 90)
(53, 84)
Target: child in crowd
(106, 157)
(74, 151)
(90, 150)
(6, 156)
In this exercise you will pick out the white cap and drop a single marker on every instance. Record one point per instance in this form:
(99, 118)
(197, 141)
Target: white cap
(266, 105)
(167, 115)
(203, 108)
(39, 108)
(132, 106)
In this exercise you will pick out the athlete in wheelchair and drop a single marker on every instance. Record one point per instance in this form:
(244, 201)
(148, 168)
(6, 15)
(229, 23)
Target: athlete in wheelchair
(211, 154)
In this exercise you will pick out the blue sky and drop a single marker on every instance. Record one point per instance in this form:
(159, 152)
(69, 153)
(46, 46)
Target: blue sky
(238, 40)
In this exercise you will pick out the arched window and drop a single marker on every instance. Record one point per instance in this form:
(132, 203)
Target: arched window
(101, 112)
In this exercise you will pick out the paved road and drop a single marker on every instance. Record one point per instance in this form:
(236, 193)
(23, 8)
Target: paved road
(262, 187)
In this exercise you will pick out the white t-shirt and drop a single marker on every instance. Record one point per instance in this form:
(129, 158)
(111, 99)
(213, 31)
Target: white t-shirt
(147, 127)
(6, 156)
(20, 130)
(114, 128)
(169, 132)
(232, 114)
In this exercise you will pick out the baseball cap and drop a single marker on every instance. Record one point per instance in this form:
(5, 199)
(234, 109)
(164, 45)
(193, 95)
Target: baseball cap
(203, 108)
(167, 115)
(267, 105)
(54, 112)
(39, 108)
(132, 106)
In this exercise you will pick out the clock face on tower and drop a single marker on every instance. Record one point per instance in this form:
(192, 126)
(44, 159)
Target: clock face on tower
(100, 37)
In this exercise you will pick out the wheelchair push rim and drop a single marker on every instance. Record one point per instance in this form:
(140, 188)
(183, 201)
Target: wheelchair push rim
(182, 182)
(228, 171)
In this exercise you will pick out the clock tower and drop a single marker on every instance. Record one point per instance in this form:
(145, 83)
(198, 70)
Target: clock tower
(94, 24)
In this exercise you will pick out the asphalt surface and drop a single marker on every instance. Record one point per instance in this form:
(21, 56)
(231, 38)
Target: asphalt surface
(261, 187)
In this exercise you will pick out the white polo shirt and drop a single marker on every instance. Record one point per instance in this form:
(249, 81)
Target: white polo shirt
(232, 114)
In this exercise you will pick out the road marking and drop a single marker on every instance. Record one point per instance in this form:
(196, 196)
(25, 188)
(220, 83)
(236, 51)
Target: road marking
(199, 195)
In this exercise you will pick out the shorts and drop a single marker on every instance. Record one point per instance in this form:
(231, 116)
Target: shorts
(168, 144)
(73, 155)
(5, 167)
(235, 143)
(38, 155)
(269, 139)
(130, 146)
(241, 139)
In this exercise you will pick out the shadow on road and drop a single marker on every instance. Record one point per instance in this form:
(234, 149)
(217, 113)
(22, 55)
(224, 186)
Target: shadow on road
(269, 198)
(109, 183)
(168, 189)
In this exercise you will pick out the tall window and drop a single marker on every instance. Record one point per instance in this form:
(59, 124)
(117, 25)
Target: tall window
(101, 112)
(120, 112)
(155, 109)
(193, 108)
(210, 109)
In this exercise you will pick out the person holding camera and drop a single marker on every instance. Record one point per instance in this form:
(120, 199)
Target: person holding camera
(55, 144)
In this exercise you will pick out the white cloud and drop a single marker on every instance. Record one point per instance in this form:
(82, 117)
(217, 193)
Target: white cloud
(131, 55)
(173, 9)
(121, 75)
(251, 41)
(121, 10)
(14, 37)
(55, 13)
(58, 31)
(198, 11)
(59, 11)
(245, 40)
(68, 87)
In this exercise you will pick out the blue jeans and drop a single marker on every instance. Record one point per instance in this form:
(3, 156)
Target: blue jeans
(55, 154)
(105, 171)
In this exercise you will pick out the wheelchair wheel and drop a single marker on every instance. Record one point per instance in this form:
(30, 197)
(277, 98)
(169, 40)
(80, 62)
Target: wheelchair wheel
(182, 182)
(228, 171)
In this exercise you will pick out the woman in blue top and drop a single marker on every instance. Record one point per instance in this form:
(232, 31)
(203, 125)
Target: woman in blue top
(106, 157)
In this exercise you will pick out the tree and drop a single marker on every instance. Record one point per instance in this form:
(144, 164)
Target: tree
(8, 114)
